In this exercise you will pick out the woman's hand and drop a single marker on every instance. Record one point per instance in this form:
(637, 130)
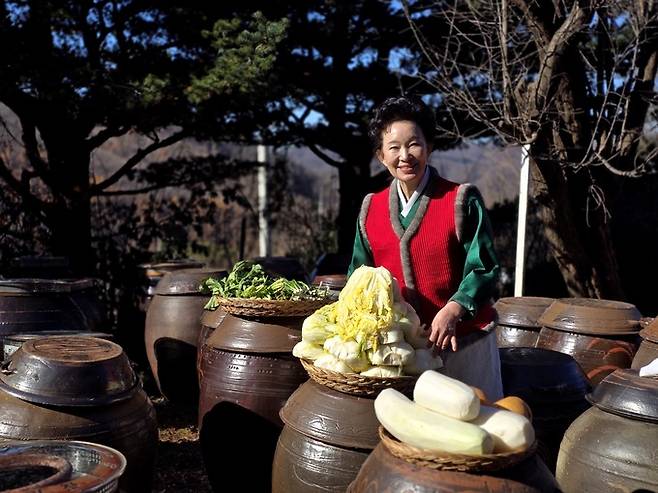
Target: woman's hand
(444, 324)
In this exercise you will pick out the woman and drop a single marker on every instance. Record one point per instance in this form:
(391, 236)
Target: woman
(435, 238)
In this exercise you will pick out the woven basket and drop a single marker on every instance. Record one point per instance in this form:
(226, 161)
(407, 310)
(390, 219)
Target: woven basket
(452, 462)
(256, 307)
(355, 384)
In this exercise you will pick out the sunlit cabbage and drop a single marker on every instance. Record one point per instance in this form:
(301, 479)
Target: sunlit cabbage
(424, 360)
(365, 305)
(384, 337)
(383, 371)
(390, 336)
(329, 362)
(349, 352)
(406, 319)
(320, 325)
(398, 353)
(306, 350)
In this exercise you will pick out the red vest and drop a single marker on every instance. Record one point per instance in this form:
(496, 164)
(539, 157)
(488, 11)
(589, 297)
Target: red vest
(427, 258)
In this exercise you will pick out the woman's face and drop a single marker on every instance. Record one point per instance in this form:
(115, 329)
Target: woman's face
(404, 152)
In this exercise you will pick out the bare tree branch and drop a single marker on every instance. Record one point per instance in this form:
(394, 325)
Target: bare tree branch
(135, 160)
(103, 136)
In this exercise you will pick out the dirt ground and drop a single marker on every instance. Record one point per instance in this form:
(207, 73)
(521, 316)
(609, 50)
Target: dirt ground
(179, 466)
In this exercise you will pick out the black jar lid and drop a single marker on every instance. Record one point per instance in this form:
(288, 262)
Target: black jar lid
(69, 371)
(521, 311)
(626, 393)
(187, 281)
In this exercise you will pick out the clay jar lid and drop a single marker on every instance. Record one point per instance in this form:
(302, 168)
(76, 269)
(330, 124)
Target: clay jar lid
(25, 473)
(250, 336)
(335, 282)
(28, 286)
(592, 316)
(650, 332)
(332, 417)
(521, 311)
(12, 342)
(159, 269)
(93, 467)
(187, 281)
(627, 394)
(69, 371)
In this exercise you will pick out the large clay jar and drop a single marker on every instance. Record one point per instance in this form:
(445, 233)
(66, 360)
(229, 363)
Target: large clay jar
(86, 297)
(39, 267)
(35, 305)
(153, 273)
(612, 446)
(517, 324)
(210, 320)
(326, 437)
(247, 372)
(601, 335)
(132, 315)
(553, 385)
(648, 350)
(172, 332)
(384, 473)
(80, 388)
(77, 467)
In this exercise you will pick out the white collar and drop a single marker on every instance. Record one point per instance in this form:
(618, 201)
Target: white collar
(408, 204)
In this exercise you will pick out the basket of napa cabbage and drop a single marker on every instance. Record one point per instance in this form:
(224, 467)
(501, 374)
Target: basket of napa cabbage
(368, 340)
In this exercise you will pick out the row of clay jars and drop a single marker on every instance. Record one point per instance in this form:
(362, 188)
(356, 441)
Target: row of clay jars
(601, 335)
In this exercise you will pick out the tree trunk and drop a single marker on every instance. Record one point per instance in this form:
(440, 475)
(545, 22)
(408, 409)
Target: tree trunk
(70, 216)
(353, 182)
(70, 226)
(580, 241)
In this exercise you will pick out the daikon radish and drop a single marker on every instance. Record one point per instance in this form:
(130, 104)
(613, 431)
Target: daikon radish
(510, 431)
(420, 427)
(446, 395)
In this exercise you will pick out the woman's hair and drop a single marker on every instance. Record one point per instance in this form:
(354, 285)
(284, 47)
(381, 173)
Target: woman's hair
(402, 108)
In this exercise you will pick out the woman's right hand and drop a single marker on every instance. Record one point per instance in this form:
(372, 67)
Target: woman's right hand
(444, 325)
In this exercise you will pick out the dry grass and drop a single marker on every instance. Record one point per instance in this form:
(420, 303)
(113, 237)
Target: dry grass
(179, 467)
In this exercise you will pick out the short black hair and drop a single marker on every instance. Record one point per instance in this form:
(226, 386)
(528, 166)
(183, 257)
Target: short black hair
(399, 108)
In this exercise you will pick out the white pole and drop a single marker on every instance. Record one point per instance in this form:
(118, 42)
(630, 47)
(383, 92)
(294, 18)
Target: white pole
(264, 243)
(523, 213)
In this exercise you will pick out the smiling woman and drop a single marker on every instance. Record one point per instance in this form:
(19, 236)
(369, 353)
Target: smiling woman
(434, 237)
(404, 152)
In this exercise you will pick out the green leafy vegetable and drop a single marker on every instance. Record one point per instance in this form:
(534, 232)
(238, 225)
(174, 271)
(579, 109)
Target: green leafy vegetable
(249, 280)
